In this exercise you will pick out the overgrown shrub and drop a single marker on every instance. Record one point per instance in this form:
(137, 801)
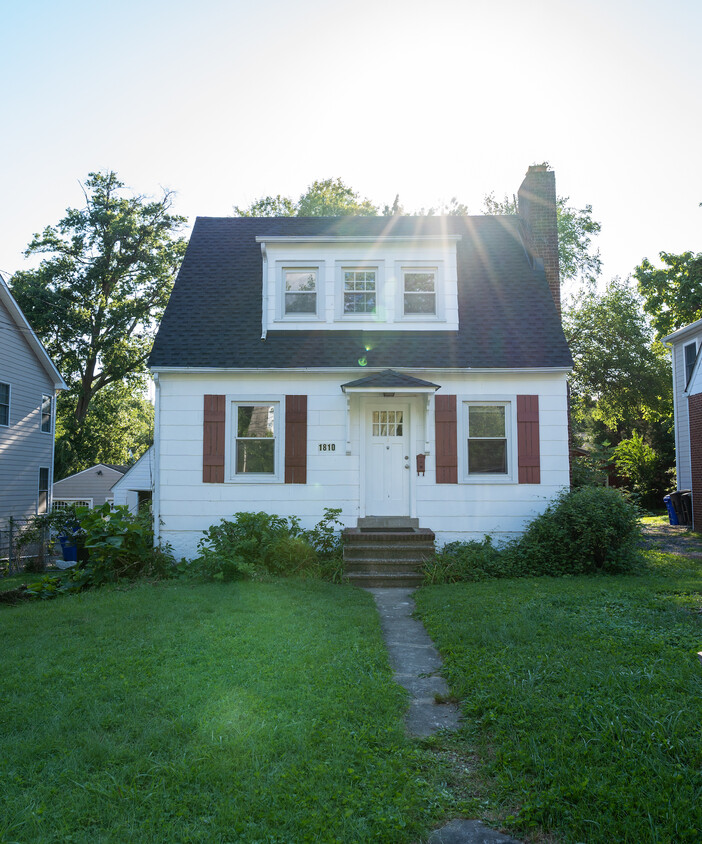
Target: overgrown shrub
(583, 531)
(120, 545)
(645, 469)
(586, 530)
(259, 544)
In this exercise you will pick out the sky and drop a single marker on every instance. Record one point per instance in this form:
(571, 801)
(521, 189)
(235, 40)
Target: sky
(224, 102)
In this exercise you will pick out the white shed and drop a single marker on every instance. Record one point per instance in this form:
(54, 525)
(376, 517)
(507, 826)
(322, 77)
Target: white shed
(135, 487)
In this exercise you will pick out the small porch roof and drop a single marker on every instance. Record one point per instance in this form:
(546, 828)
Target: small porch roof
(389, 380)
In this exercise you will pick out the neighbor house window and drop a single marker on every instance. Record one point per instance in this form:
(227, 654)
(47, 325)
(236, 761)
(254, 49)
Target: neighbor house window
(43, 500)
(487, 426)
(360, 291)
(419, 291)
(690, 355)
(300, 290)
(4, 404)
(46, 414)
(255, 442)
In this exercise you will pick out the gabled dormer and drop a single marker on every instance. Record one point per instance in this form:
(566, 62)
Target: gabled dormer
(341, 283)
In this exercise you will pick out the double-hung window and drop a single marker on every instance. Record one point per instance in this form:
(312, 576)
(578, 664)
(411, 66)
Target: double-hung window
(4, 405)
(43, 500)
(488, 432)
(419, 291)
(46, 414)
(360, 290)
(256, 440)
(301, 288)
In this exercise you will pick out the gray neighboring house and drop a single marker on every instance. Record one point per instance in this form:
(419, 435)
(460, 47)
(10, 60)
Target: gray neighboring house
(90, 488)
(29, 383)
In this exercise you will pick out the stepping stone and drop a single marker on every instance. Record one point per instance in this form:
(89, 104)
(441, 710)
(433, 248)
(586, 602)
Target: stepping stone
(469, 832)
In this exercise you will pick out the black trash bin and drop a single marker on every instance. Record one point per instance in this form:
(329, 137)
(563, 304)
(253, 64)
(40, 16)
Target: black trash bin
(676, 501)
(686, 500)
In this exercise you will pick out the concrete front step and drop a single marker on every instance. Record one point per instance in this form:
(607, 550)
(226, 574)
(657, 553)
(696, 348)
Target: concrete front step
(400, 551)
(369, 580)
(386, 552)
(382, 566)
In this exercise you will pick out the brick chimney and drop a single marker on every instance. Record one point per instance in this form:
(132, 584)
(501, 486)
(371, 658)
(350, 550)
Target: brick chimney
(537, 208)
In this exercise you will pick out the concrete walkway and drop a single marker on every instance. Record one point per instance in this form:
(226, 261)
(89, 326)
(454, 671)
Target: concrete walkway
(416, 663)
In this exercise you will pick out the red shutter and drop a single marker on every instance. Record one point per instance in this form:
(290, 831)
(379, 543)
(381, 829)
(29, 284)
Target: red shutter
(295, 439)
(528, 439)
(213, 440)
(446, 440)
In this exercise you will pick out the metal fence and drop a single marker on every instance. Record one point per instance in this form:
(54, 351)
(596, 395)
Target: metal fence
(15, 549)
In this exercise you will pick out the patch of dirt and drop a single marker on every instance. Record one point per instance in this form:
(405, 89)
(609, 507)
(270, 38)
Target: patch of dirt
(672, 539)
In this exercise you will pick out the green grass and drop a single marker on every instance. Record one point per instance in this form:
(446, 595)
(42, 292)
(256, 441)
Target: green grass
(245, 712)
(582, 700)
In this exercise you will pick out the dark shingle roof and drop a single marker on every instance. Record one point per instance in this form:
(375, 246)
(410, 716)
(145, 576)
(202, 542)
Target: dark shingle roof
(389, 378)
(213, 319)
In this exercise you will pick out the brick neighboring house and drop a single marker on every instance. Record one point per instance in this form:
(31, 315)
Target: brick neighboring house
(411, 369)
(686, 344)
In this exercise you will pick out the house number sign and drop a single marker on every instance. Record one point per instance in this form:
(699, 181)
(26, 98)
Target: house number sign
(327, 446)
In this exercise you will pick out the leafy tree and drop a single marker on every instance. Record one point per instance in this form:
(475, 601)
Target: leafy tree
(620, 377)
(576, 228)
(118, 428)
(96, 299)
(672, 295)
(323, 198)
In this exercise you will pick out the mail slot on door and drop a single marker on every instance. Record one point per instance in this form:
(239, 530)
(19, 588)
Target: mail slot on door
(421, 463)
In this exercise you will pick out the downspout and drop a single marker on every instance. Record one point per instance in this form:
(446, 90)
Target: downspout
(156, 497)
(264, 291)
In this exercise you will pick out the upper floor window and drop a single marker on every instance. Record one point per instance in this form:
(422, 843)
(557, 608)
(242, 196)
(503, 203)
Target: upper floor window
(419, 291)
(46, 414)
(300, 290)
(360, 291)
(4, 404)
(690, 355)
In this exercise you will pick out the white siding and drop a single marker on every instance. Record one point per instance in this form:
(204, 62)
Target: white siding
(187, 506)
(24, 447)
(139, 478)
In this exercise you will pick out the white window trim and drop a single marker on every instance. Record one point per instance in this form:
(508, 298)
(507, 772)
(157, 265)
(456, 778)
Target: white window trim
(51, 415)
(510, 405)
(280, 268)
(340, 267)
(230, 474)
(64, 499)
(9, 404)
(402, 267)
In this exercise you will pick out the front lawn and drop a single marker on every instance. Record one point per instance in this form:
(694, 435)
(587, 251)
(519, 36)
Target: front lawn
(582, 700)
(243, 712)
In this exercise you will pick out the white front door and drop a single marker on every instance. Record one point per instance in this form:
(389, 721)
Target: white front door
(387, 459)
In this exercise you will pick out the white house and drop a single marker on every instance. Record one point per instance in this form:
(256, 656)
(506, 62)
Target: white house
(406, 367)
(686, 343)
(29, 383)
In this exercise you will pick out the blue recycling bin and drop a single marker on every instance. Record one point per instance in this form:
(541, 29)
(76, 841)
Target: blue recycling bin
(69, 549)
(672, 515)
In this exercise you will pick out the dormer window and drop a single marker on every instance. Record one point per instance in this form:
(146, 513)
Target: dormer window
(419, 291)
(300, 290)
(360, 291)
